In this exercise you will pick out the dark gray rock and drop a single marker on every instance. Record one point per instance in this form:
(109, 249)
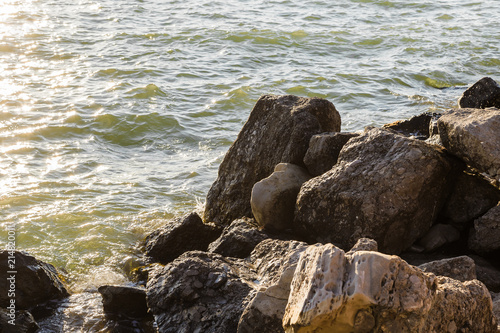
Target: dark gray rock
(487, 273)
(385, 186)
(238, 239)
(484, 237)
(416, 126)
(199, 292)
(178, 236)
(278, 130)
(439, 235)
(483, 94)
(471, 197)
(36, 282)
(324, 150)
(273, 198)
(473, 136)
(122, 300)
(20, 321)
(460, 268)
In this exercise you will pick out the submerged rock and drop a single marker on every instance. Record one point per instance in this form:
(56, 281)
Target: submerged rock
(178, 236)
(385, 186)
(485, 235)
(122, 300)
(483, 94)
(373, 292)
(278, 130)
(273, 198)
(35, 282)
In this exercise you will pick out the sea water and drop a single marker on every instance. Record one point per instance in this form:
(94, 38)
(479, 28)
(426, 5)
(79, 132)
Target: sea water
(115, 114)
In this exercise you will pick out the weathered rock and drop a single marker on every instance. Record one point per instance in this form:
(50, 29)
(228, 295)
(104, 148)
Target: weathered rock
(364, 244)
(273, 198)
(122, 300)
(178, 236)
(471, 197)
(483, 94)
(198, 292)
(485, 236)
(487, 273)
(35, 282)
(460, 268)
(416, 126)
(324, 150)
(20, 321)
(238, 239)
(473, 136)
(385, 186)
(437, 236)
(496, 307)
(372, 292)
(278, 130)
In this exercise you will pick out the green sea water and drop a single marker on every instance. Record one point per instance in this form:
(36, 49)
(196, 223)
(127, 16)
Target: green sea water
(114, 115)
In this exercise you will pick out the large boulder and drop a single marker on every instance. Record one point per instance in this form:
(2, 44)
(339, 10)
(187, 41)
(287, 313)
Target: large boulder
(278, 130)
(273, 198)
(385, 186)
(367, 291)
(199, 292)
(324, 150)
(473, 136)
(124, 300)
(33, 283)
(484, 237)
(184, 234)
(483, 94)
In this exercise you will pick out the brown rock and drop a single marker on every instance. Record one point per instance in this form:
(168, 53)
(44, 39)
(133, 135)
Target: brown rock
(485, 235)
(460, 268)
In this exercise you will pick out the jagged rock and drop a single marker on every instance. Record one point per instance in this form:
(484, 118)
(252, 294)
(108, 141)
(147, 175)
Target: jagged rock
(485, 236)
(473, 136)
(273, 198)
(416, 126)
(324, 150)
(35, 282)
(178, 236)
(238, 239)
(471, 197)
(275, 262)
(364, 244)
(460, 268)
(20, 321)
(122, 300)
(374, 292)
(483, 94)
(437, 236)
(199, 292)
(278, 130)
(385, 186)
(487, 273)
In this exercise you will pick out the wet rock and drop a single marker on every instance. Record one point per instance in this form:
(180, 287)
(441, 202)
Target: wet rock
(128, 301)
(385, 186)
(324, 150)
(20, 321)
(278, 130)
(473, 136)
(178, 236)
(374, 292)
(199, 292)
(273, 198)
(437, 236)
(238, 239)
(485, 236)
(416, 126)
(460, 268)
(35, 282)
(483, 94)
(471, 197)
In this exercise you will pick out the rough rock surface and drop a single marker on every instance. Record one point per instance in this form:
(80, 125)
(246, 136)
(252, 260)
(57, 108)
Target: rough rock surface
(485, 236)
(36, 282)
(416, 126)
(473, 136)
(439, 235)
(23, 322)
(373, 292)
(324, 150)
(273, 198)
(129, 301)
(278, 130)
(487, 273)
(364, 244)
(178, 236)
(483, 94)
(471, 197)
(238, 239)
(460, 268)
(385, 186)
(198, 292)
(496, 308)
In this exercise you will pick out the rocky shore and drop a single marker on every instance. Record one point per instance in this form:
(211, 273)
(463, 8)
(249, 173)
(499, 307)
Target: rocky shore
(310, 229)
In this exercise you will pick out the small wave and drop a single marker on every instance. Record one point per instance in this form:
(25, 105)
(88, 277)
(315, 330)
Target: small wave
(149, 91)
